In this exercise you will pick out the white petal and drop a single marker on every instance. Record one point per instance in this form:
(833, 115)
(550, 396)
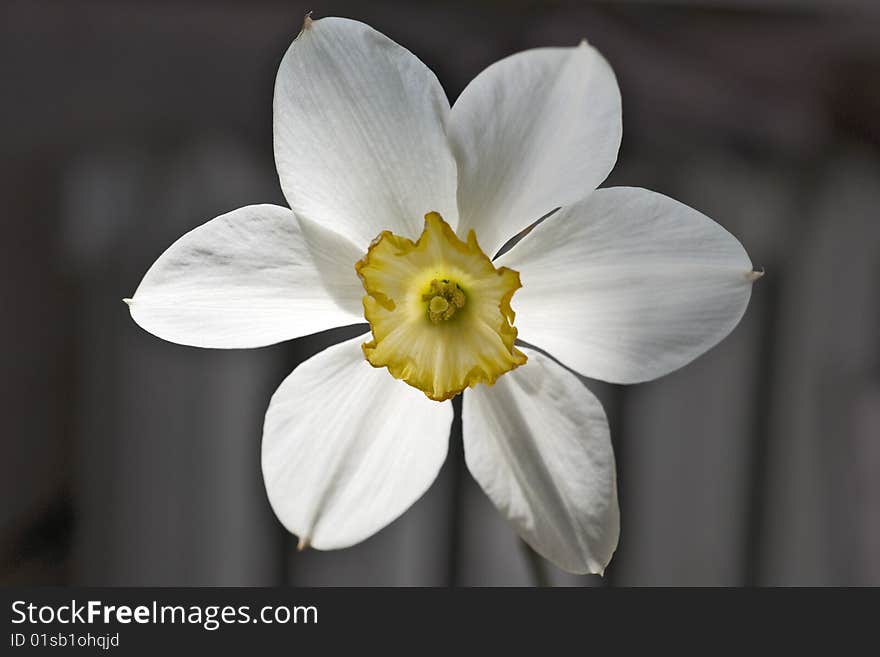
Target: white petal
(347, 448)
(360, 139)
(628, 285)
(248, 279)
(532, 132)
(538, 443)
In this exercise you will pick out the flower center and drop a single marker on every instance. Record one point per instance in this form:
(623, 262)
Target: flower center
(444, 298)
(439, 310)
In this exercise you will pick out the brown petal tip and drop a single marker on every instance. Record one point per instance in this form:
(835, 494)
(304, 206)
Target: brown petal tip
(754, 275)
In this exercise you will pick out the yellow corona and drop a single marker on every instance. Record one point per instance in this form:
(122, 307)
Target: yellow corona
(439, 310)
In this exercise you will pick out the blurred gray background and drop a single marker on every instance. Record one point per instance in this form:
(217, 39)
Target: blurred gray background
(128, 460)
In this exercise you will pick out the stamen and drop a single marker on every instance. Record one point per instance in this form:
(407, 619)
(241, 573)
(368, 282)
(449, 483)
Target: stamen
(444, 298)
(438, 305)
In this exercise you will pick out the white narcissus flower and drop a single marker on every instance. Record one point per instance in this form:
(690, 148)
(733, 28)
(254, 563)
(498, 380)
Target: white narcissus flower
(394, 193)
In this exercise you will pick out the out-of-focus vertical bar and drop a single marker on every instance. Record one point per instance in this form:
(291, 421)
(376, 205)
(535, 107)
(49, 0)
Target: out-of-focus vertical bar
(817, 520)
(168, 485)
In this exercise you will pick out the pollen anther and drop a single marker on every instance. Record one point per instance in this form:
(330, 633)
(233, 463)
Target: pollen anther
(444, 298)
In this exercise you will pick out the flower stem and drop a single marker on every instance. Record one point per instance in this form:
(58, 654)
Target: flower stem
(537, 565)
